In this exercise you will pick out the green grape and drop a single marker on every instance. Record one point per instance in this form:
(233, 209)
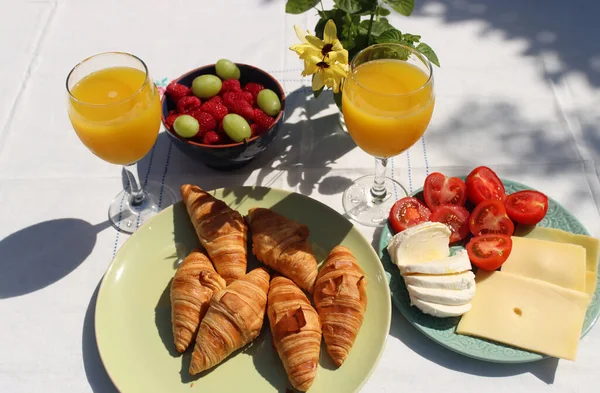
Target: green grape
(236, 127)
(186, 126)
(227, 69)
(268, 101)
(206, 86)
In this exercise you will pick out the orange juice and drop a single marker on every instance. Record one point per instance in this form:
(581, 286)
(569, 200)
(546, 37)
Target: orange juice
(116, 114)
(387, 105)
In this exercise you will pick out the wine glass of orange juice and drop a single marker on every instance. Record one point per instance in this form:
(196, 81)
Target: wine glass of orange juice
(387, 102)
(114, 108)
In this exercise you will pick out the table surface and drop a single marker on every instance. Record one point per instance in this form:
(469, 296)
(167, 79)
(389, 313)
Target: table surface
(518, 91)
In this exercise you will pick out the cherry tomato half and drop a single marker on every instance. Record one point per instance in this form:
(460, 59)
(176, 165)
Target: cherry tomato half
(441, 190)
(408, 212)
(482, 184)
(455, 217)
(526, 207)
(490, 217)
(489, 252)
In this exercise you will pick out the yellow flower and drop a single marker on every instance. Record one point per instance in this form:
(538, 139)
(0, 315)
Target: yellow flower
(330, 75)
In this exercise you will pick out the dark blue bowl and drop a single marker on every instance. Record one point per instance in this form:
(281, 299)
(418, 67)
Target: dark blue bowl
(233, 155)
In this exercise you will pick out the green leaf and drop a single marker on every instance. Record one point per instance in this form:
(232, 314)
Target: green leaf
(349, 6)
(391, 35)
(317, 93)
(383, 11)
(378, 28)
(429, 53)
(411, 37)
(338, 17)
(337, 97)
(405, 7)
(299, 6)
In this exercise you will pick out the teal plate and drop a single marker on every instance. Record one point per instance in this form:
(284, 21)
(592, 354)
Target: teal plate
(443, 330)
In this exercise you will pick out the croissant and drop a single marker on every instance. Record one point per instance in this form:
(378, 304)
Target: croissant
(296, 331)
(192, 288)
(234, 318)
(221, 230)
(341, 301)
(282, 244)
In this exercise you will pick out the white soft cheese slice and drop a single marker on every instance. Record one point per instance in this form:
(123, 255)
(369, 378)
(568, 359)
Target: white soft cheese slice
(457, 263)
(457, 281)
(440, 310)
(421, 243)
(449, 297)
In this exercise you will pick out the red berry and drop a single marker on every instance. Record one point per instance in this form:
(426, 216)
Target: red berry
(171, 119)
(243, 108)
(217, 99)
(216, 110)
(230, 85)
(176, 91)
(230, 97)
(253, 88)
(263, 120)
(211, 138)
(186, 104)
(255, 129)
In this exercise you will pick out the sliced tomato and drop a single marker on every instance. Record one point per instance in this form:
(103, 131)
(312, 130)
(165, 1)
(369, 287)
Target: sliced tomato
(490, 217)
(489, 252)
(455, 217)
(408, 212)
(526, 207)
(482, 184)
(442, 190)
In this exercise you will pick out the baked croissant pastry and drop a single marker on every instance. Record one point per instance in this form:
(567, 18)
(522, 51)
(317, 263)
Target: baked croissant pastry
(296, 331)
(234, 318)
(222, 231)
(192, 288)
(341, 301)
(282, 244)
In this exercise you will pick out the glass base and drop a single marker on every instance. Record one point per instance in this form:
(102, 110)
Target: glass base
(360, 205)
(127, 218)
(342, 122)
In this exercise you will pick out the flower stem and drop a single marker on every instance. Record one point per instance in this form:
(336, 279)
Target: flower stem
(370, 27)
(322, 8)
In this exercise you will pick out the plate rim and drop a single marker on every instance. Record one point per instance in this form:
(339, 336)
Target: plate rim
(383, 244)
(385, 326)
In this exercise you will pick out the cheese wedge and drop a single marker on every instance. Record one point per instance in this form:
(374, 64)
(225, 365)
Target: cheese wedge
(450, 297)
(557, 263)
(421, 243)
(591, 245)
(457, 263)
(526, 313)
(456, 281)
(440, 310)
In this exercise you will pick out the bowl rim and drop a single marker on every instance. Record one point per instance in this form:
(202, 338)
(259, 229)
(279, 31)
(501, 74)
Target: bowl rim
(277, 118)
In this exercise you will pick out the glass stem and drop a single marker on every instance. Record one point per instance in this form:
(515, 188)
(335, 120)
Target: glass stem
(135, 186)
(378, 190)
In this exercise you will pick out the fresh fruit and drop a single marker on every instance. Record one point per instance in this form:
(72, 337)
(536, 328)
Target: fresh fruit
(263, 120)
(216, 110)
(253, 88)
(442, 190)
(226, 69)
(489, 252)
(231, 85)
(186, 104)
(236, 127)
(211, 138)
(171, 119)
(269, 102)
(455, 217)
(230, 97)
(206, 121)
(186, 126)
(255, 129)
(526, 207)
(176, 91)
(242, 108)
(489, 217)
(217, 99)
(408, 212)
(482, 184)
(206, 86)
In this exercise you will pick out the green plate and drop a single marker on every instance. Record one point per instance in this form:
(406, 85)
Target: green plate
(443, 330)
(133, 313)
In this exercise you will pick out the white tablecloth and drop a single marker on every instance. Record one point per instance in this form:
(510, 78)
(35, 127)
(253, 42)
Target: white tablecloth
(518, 91)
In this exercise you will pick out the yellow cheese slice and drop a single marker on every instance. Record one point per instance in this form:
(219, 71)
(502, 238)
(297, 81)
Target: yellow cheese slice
(526, 313)
(557, 263)
(591, 245)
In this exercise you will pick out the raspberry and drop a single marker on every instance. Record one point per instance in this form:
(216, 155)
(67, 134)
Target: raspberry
(255, 129)
(253, 88)
(186, 104)
(230, 85)
(171, 119)
(216, 110)
(206, 121)
(211, 138)
(243, 108)
(263, 120)
(231, 97)
(216, 99)
(176, 91)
